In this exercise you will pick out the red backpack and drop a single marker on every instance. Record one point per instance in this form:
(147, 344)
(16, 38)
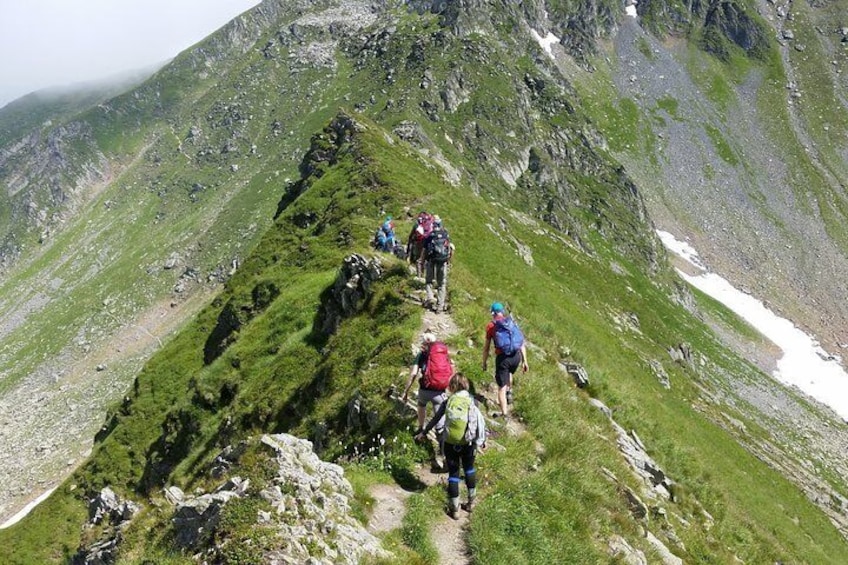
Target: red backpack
(439, 368)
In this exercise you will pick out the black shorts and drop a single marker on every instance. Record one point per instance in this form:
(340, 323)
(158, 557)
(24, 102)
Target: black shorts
(505, 367)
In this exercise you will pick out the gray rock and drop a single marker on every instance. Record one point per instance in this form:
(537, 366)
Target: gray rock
(624, 553)
(667, 557)
(601, 406)
(659, 372)
(576, 372)
(352, 287)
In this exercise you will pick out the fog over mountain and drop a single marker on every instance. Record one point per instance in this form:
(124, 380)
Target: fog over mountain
(52, 43)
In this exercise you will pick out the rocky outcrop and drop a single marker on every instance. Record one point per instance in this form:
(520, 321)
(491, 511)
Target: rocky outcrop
(578, 24)
(304, 513)
(112, 515)
(47, 176)
(323, 152)
(576, 371)
(348, 293)
(316, 503)
(196, 517)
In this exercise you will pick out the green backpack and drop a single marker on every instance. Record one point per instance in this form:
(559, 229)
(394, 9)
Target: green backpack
(456, 418)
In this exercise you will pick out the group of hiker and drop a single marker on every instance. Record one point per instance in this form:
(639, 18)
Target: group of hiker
(460, 426)
(429, 248)
(459, 423)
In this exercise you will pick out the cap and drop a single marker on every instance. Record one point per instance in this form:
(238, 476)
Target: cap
(497, 308)
(437, 220)
(428, 337)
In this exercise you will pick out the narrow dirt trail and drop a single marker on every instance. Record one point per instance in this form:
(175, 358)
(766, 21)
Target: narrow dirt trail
(448, 535)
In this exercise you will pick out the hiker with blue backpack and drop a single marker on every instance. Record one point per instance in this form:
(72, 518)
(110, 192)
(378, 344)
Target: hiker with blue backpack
(465, 435)
(510, 352)
(438, 251)
(384, 238)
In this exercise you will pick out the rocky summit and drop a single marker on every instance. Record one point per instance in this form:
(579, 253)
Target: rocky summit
(202, 351)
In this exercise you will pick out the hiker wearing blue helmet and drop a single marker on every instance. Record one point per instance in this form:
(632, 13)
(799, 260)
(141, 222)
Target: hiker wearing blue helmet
(510, 352)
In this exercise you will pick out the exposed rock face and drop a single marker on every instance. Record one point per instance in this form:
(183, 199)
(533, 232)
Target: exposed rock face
(309, 520)
(576, 372)
(113, 514)
(577, 24)
(317, 496)
(46, 179)
(349, 292)
(109, 508)
(196, 517)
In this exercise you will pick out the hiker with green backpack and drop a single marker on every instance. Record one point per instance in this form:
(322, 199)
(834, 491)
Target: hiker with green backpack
(464, 436)
(510, 352)
(434, 368)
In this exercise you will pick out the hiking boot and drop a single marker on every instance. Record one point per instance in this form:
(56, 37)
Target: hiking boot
(439, 464)
(453, 513)
(509, 397)
(468, 506)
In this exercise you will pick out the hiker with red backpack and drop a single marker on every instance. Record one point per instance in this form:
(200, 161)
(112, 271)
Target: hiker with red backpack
(510, 352)
(434, 368)
(464, 436)
(417, 237)
(438, 251)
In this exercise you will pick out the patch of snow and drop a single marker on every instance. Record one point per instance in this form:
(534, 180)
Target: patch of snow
(630, 8)
(681, 249)
(545, 42)
(804, 364)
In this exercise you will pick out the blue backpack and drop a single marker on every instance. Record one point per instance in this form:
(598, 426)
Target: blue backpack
(508, 336)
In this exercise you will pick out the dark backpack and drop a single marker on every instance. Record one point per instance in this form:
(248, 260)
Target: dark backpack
(438, 246)
(508, 336)
(439, 370)
(399, 251)
(424, 228)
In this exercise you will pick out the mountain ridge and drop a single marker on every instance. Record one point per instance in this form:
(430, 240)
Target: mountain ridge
(551, 162)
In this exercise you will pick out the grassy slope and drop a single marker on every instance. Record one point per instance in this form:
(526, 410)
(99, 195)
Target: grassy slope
(286, 378)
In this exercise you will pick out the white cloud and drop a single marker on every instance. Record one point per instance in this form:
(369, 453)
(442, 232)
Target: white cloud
(47, 43)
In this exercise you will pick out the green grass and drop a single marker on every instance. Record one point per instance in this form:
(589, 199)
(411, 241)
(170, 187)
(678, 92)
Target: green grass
(721, 145)
(545, 498)
(557, 502)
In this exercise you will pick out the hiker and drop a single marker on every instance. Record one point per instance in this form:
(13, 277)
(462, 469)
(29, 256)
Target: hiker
(384, 237)
(434, 368)
(510, 352)
(415, 245)
(438, 251)
(465, 434)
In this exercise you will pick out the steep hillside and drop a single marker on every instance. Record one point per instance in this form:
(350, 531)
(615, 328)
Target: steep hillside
(125, 220)
(295, 363)
(744, 156)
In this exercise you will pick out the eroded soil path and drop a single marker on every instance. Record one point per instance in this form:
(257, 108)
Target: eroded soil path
(448, 535)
